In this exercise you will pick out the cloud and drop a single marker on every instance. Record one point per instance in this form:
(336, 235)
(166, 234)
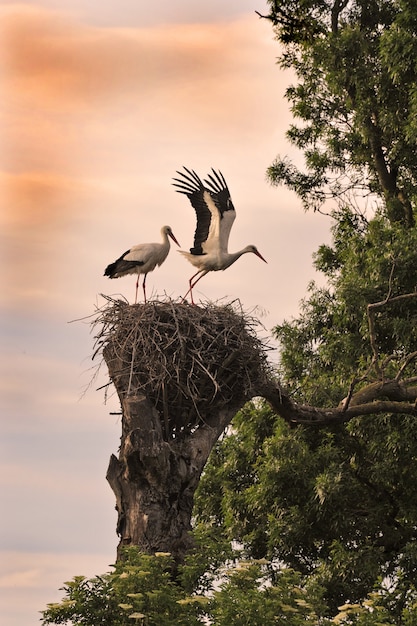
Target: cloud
(38, 577)
(72, 88)
(22, 579)
(79, 96)
(42, 191)
(68, 84)
(37, 216)
(55, 61)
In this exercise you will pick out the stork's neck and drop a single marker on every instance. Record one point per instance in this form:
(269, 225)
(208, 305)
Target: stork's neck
(165, 239)
(230, 257)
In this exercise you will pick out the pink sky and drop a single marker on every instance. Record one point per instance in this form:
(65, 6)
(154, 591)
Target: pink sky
(100, 108)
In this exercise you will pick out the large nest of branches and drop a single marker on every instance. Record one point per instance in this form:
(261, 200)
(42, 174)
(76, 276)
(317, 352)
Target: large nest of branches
(189, 361)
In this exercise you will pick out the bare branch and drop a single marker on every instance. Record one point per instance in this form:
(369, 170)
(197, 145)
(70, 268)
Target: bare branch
(371, 308)
(407, 361)
(378, 397)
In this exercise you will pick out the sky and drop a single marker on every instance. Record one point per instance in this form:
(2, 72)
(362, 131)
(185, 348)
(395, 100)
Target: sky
(101, 104)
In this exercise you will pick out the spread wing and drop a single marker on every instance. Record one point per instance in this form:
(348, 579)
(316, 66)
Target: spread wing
(213, 207)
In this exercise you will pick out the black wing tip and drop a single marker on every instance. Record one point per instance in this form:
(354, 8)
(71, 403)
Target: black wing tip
(109, 270)
(189, 183)
(216, 181)
(218, 174)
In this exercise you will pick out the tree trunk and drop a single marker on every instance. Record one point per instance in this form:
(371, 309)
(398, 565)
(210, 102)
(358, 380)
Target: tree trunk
(154, 480)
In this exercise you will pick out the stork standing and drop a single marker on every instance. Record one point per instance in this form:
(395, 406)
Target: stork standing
(142, 259)
(215, 216)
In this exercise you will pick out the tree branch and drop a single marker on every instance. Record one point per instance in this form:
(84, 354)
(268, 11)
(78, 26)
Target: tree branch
(396, 395)
(371, 308)
(337, 8)
(390, 396)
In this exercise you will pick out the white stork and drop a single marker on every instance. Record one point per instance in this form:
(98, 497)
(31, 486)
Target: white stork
(142, 259)
(215, 216)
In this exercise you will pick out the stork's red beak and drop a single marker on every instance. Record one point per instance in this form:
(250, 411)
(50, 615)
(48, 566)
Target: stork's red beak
(173, 238)
(260, 256)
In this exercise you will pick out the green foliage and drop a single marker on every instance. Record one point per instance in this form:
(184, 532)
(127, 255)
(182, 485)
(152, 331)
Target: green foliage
(328, 345)
(247, 597)
(339, 506)
(387, 605)
(222, 496)
(140, 590)
(355, 100)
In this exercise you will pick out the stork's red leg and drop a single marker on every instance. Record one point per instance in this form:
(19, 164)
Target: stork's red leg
(136, 292)
(192, 284)
(144, 287)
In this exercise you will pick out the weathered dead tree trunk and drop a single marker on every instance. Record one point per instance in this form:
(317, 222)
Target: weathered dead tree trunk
(154, 480)
(181, 374)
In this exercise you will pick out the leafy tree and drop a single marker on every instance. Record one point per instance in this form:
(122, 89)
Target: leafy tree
(338, 504)
(244, 599)
(245, 592)
(356, 99)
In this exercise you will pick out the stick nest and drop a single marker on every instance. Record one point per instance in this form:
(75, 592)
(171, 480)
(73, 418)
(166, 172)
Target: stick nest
(189, 361)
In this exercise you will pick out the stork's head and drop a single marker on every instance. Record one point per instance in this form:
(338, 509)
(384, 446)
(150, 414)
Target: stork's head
(167, 230)
(255, 250)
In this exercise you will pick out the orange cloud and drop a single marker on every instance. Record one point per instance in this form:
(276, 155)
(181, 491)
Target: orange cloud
(55, 61)
(62, 65)
(51, 60)
(62, 77)
(41, 193)
(71, 88)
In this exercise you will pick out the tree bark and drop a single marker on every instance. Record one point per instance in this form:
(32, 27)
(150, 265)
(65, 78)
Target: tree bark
(390, 396)
(154, 480)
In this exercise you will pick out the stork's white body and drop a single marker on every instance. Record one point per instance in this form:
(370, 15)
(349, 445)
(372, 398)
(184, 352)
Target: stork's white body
(142, 259)
(215, 216)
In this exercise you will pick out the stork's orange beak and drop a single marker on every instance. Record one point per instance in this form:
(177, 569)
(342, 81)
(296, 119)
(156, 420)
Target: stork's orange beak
(174, 238)
(260, 256)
